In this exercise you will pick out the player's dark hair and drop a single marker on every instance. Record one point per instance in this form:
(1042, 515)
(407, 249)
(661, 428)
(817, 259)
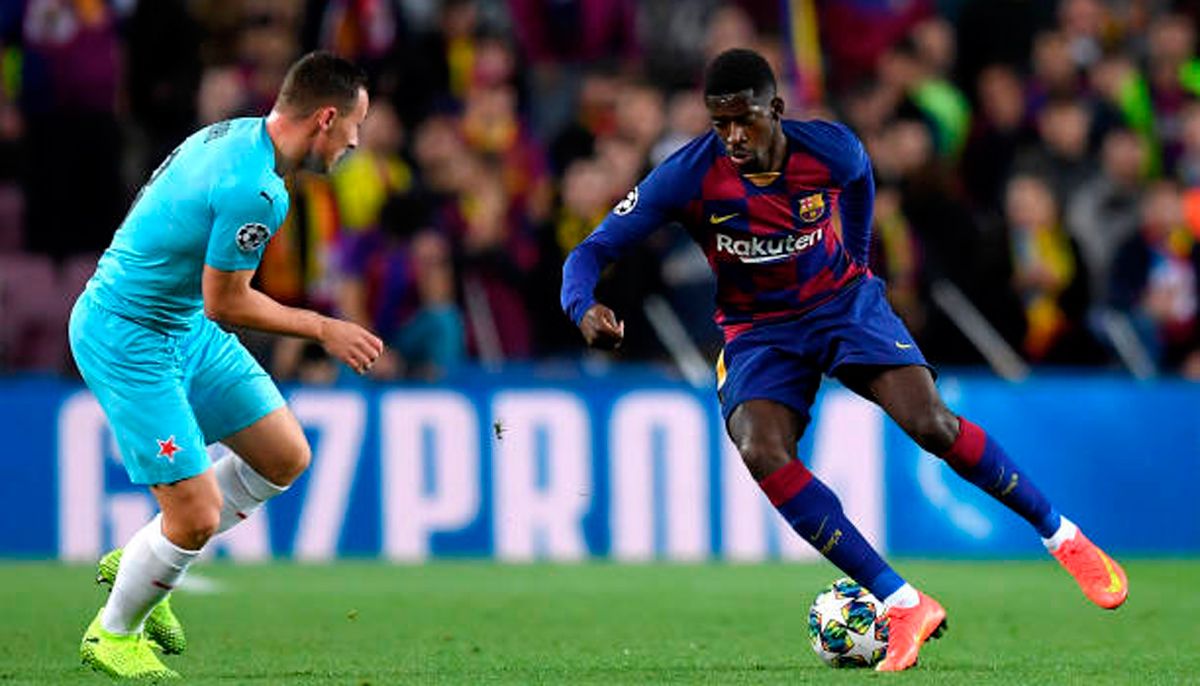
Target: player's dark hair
(318, 79)
(737, 70)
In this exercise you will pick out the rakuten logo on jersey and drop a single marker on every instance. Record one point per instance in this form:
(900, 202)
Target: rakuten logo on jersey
(755, 250)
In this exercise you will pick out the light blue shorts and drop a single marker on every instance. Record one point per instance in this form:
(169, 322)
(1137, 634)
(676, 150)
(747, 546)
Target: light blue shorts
(168, 395)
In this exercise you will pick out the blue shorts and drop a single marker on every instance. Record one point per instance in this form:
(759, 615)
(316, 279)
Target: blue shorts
(168, 395)
(784, 361)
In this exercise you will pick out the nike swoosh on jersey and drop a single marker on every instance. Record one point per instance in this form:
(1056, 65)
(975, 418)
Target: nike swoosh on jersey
(268, 198)
(722, 219)
(903, 346)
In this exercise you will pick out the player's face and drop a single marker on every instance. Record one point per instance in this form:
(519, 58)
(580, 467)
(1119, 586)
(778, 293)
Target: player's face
(747, 126)
(339, 132)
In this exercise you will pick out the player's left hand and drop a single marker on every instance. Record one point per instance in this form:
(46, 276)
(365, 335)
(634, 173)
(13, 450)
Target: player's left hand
(601, 329)
(351, 344)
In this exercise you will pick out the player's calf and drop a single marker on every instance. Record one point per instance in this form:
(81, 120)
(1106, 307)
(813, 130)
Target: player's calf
(243, 490)
(162, 626)
(979, 458)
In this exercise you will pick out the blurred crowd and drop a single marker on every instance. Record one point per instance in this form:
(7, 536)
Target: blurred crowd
(1042, 158)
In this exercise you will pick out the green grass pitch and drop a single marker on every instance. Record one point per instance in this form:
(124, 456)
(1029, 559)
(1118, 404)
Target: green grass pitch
(470, 623)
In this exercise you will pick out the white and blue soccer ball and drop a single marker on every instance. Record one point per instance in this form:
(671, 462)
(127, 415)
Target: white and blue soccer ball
(847, 625)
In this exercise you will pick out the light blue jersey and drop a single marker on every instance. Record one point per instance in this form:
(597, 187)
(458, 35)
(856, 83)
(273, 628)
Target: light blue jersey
(215, 200)
(169, 379)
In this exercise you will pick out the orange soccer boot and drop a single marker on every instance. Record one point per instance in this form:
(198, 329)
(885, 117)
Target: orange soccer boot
(908, 629)
(1099, 576)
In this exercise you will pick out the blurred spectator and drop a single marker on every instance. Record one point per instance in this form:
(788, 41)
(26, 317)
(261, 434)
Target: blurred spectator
(397, 280)
(452, 49)
(491, 126)
(640, 116)
(374, 172)
(904, 157)
(1104, 212)
(936, 46)
(938, 101)
(1187, 169)
(583, 203)
(626, 163)
(1046, 273)
(896, 257)
(1155, 279)
(556, 32)
(674, 51)
(868, 109)
(1120, 90)
(360, 30)
(595, 115)
(222, 95)
(267, 45)
(1083, 23)
(729, 26)
(1172, 47)
(432, 344)
(519, 123)
(1062, 157)
(856, 33)
(686, 118)
(560, 38)
(296, 266)
(498, 252)
(586, 199)
(1000, 130)
(429, 70)
(441, 154)
(1055, 76)
(70, 72)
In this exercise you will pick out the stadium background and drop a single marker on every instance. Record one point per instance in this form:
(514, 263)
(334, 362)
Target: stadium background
(1038, 209)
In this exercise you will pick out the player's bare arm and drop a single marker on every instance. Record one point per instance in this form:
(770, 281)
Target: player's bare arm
(229, 299)
(601, 329)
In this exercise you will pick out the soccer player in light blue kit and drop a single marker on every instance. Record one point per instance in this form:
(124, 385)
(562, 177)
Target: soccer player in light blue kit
(144, 334)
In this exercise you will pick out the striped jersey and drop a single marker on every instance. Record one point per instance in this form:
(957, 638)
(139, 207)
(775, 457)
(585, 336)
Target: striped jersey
(777, 250)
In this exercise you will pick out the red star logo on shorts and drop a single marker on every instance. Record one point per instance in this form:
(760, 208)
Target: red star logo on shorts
(168, 448)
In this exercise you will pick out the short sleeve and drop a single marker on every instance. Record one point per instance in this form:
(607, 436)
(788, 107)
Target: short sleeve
(245, 216)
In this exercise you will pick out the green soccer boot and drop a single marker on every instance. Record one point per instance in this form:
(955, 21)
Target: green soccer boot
(163, 628)
(123, 657)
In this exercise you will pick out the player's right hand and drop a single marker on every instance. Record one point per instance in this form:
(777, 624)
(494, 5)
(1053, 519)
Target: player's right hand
(351, 344)
(601, 329)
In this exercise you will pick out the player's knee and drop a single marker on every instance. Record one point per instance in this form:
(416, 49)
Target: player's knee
(292, 463)
(205, 526)
(302, 457)
(195, 527)
(935, 429)
(762, 457)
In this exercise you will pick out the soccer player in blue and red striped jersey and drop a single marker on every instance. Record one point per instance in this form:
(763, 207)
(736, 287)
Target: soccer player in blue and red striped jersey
(782, 210)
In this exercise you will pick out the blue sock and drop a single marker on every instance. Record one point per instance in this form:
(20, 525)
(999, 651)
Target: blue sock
(978, 458)
(816, 514)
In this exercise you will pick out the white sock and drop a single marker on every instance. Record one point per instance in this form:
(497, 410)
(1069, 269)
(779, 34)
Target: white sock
(1066, 531)
(905, 596)
(243, 490)
(150, 567)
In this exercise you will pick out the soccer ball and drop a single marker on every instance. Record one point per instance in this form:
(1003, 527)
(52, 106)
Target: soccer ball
(847, 626)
